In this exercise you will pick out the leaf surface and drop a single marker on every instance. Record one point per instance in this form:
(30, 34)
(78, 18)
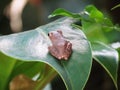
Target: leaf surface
(107, 57)
(33, 46)
(6, 67)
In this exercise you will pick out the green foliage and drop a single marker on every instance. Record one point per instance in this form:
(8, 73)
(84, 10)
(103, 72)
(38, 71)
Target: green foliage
(6, 67)
(93, 21)
(94, 14)
(64, 12)
(27, 52)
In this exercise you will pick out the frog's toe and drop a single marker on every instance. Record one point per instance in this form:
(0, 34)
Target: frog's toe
(66, 58)
(59, 58)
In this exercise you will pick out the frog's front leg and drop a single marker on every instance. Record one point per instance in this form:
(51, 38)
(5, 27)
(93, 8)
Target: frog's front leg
(53, 51)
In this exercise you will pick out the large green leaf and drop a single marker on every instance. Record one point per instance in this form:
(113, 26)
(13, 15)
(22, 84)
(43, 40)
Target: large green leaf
(108, 58)
(6, 67)
(29, 69)
(33, 46)
(9, 68)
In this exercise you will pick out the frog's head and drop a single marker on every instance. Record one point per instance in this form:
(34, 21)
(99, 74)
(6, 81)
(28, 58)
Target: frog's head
(55, 35)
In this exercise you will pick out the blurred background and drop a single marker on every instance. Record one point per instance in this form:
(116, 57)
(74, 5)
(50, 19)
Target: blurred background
(21, 15)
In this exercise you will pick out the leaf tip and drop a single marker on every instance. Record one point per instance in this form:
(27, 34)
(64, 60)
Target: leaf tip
(50, 16)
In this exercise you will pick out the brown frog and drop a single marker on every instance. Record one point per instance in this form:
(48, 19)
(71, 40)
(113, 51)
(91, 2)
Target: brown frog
(61, 48)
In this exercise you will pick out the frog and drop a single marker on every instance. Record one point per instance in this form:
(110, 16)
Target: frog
(60, 48)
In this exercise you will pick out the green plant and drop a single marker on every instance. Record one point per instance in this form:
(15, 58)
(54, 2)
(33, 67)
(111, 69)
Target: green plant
(27, 52)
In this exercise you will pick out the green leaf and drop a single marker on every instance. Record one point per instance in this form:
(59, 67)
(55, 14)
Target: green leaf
(108, 58)
(107, 25)
(33, 46)
(94, 13)
(29, 69)
(64, 12)
(94, 31)
(6, 67)
(10, 67)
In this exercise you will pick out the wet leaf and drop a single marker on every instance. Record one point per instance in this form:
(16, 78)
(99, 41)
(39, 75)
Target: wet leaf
(33, 46)
(108, 58)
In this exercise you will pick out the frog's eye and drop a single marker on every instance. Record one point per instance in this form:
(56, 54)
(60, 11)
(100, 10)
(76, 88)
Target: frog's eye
(50, 34)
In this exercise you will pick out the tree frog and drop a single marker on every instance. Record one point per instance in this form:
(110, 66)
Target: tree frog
(61, 48)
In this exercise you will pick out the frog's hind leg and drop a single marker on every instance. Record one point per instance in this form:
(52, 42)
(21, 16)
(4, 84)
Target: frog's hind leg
(53, 51)
(69, 47)
(68, 50)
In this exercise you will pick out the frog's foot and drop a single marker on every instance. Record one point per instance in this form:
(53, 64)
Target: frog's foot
(54, 52)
